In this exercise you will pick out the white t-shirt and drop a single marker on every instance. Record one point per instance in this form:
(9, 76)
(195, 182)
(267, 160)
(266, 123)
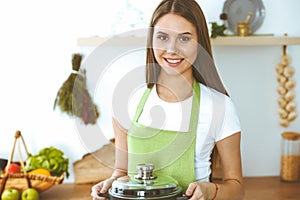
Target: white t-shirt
(218, 119)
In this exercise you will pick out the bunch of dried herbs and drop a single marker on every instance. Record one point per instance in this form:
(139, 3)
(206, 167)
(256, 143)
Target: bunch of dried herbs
(73, 96)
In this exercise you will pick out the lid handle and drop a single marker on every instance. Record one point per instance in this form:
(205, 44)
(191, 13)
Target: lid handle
(144, 172)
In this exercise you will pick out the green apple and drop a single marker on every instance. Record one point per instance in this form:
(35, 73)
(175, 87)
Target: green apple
(10, 194)
(30, 194)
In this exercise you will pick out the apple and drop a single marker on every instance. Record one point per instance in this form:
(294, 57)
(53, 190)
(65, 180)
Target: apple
(30, 194)
(13, 168)
(10, 194)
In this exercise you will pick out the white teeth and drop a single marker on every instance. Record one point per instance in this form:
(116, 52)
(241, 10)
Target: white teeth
(173, 61)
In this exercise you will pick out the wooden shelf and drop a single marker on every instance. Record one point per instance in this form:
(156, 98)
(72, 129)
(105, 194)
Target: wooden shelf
(255, 41)
(219, 41)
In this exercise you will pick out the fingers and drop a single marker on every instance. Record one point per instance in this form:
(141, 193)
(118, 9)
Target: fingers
(191, 189)
(95, 189)
(101, 187)
(106, 185)
(194, 191)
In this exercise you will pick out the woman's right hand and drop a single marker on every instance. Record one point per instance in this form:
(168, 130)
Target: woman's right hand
(101, 187)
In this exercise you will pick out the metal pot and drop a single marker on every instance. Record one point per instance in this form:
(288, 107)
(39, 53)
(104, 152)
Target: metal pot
(145, 186)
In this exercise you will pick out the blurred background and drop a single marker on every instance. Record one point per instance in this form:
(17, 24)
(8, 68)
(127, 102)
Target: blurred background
(38, 38)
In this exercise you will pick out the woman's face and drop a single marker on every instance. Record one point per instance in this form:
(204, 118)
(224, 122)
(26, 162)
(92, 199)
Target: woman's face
(175, 44)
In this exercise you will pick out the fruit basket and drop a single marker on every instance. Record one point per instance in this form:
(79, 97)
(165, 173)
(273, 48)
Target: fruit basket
(24, 180)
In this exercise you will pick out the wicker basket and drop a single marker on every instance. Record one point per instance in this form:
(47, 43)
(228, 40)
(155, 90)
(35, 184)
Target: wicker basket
(22, 181)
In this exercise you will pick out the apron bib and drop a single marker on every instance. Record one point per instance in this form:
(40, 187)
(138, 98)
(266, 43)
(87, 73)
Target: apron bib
(171, 152)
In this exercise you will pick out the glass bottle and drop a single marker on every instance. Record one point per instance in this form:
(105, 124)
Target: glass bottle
(290, 156)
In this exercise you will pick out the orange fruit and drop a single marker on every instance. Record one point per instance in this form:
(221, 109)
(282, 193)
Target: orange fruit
(40, 171)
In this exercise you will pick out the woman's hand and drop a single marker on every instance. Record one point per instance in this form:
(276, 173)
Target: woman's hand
(195, 191)
(101, 187)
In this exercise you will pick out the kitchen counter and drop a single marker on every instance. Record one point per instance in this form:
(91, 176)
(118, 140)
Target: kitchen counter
(256, 188)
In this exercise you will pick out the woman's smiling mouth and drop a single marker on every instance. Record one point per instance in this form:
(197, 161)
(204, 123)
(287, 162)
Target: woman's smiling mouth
(173, 61)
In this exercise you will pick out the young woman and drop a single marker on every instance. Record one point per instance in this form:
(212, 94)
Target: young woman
(183, 112)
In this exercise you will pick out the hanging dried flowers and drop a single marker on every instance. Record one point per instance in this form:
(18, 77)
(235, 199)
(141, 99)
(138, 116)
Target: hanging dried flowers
(73, 96)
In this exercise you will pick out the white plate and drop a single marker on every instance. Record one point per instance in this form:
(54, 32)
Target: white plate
(238, 10)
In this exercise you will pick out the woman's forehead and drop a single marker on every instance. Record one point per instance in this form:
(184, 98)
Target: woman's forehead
(172, 23)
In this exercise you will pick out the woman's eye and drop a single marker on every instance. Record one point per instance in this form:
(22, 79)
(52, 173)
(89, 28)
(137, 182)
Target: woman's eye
(162, 37)
(184, 39)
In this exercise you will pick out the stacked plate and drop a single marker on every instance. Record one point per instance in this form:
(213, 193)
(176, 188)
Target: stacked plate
(238, 10)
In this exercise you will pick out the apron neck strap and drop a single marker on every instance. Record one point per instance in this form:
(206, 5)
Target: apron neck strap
(195, 106)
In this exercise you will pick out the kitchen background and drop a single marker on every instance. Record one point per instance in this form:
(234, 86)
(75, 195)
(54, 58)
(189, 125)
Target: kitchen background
(38, 39)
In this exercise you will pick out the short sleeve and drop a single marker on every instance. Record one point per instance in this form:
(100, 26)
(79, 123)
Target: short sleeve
(230, 122)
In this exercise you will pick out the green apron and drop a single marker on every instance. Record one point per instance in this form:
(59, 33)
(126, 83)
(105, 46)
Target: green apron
(171, 152)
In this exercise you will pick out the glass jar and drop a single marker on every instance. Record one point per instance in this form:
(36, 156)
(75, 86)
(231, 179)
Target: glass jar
(290, 156)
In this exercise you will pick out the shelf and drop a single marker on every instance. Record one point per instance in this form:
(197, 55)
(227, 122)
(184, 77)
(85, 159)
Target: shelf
(255, 41)
(219, 41)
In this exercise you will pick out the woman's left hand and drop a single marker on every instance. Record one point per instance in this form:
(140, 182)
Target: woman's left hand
(195, 191)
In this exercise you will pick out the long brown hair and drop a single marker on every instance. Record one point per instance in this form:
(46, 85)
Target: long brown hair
(204, 70)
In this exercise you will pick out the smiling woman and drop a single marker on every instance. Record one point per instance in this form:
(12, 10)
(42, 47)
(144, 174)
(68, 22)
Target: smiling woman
(38, 35)
(180, 73)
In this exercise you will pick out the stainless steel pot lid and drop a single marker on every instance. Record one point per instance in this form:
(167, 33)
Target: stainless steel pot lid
(145, 185)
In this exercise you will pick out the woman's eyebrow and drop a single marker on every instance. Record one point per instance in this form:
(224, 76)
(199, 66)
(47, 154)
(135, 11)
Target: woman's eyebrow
(161, 32)
(185, 33)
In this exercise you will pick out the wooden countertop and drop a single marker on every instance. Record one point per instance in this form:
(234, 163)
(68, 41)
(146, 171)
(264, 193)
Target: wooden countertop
(257, 188)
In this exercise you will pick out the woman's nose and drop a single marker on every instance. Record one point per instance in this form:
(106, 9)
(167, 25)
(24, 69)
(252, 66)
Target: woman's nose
(172, 47)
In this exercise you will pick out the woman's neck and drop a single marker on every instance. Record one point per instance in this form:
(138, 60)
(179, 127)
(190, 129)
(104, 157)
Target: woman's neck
(174, 88)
